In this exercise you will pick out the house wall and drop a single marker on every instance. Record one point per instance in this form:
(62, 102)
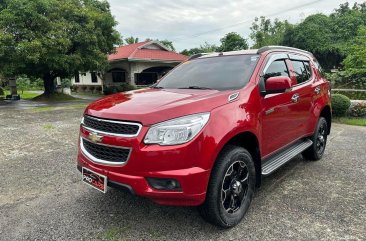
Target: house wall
(125, 65)
(131, 69)
(85, 79)
(138, 67)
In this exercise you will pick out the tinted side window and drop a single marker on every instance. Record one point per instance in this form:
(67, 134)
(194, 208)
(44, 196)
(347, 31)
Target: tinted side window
(308, 68)
(277, 68)
(301, 71)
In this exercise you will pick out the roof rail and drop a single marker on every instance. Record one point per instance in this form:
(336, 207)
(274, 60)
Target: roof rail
(195, 56)
(267, 48)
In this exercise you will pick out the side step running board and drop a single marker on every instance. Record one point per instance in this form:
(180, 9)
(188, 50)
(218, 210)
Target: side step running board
(273, 163)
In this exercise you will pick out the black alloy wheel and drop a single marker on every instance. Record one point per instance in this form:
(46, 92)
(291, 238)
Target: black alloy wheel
(231, 187)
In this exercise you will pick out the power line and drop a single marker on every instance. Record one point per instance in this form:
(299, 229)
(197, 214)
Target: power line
(245, 21)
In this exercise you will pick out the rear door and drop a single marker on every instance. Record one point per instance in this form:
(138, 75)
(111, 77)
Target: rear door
(301, 71)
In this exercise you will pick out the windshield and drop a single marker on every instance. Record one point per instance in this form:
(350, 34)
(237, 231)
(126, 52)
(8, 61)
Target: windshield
(219, 73)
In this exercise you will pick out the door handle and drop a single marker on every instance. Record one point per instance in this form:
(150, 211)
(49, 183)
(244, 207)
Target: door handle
(295, 98)
(317, 90)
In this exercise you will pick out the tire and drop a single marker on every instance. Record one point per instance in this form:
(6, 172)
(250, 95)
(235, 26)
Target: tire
(231, 188)
(316, 150)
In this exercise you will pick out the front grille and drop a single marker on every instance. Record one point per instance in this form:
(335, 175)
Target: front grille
(111, 127)
(102, 153)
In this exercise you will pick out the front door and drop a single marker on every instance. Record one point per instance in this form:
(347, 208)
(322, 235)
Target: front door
(280, 113)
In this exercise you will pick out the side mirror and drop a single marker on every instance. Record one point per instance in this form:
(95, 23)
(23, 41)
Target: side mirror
(277, 84)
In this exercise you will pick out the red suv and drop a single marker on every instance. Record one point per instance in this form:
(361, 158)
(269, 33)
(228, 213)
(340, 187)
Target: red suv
(207, 132)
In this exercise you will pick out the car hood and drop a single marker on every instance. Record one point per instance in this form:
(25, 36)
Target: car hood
(150, 106)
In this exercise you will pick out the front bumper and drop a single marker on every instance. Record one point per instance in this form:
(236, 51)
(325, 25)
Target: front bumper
(181, 163)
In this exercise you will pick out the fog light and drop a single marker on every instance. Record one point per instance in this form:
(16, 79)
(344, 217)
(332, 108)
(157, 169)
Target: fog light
(164, 184)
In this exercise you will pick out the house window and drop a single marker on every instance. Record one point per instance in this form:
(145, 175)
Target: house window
(118, 76)
(77, 78)
(94, 78)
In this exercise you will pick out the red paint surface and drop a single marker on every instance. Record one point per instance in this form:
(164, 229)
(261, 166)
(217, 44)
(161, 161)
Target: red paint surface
(191, 163)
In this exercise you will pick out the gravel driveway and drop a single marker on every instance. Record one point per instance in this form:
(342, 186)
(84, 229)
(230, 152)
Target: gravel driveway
(42, 198)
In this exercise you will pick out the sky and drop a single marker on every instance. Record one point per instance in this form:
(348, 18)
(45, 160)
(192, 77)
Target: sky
(190, 23)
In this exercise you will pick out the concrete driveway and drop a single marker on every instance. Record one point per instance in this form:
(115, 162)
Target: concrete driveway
(42, 198)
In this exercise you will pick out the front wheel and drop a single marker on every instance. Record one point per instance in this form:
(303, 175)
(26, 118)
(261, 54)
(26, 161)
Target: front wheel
(231, 188)
(319, 138)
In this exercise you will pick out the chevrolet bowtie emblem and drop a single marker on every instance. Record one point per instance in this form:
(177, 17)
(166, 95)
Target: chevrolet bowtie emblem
(94, 137)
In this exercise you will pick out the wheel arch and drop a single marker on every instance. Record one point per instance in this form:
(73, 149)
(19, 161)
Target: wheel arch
(249, 141)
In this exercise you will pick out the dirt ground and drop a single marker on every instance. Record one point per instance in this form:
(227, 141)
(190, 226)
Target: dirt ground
(42, 197)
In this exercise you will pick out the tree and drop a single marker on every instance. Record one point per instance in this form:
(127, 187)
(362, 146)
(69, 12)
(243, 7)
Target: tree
(131, 40)
(51, 38)
(204, 48)
(264, 32)
(355, 62)
(23, 83)
(315, 34)
(233, 41)
(328, 36)
(168, 44)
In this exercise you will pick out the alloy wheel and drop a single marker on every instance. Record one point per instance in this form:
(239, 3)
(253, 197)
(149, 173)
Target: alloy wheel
(321, 139)
(234, 187)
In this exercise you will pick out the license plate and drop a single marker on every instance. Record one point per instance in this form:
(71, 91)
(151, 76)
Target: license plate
(94, 179)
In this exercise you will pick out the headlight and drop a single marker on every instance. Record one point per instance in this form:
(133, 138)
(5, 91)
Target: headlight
(176, 131)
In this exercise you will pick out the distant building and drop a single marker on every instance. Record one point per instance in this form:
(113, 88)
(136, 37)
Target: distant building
(138, 64)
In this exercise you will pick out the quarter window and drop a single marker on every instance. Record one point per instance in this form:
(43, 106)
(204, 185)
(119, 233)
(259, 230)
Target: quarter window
(277, 68)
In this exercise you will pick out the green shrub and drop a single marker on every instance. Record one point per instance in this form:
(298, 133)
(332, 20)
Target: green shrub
(125, 87)
(2, 92)
(358, 109)
(74, 88)
(37, 84)
(353, 95)
(108, 90)
(23, 83)
(115, 89)
(65, 83)
(340, 104)
(92, 88)
(342, 80)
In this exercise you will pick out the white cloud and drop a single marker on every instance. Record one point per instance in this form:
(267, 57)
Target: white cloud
(180, 20)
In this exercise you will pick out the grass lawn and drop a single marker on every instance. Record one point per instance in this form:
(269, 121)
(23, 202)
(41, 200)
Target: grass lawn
(54, 108)
(27, 95)
(54, 97)
(350, 121)
(87, 94)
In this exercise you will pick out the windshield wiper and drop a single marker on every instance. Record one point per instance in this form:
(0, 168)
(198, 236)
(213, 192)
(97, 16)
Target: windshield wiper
(196, 88)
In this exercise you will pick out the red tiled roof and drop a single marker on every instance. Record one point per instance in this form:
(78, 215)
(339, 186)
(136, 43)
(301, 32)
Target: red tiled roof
(133, 51)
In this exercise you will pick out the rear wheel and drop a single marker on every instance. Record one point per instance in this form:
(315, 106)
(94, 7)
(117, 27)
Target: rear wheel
(231, 188)
(319, 138)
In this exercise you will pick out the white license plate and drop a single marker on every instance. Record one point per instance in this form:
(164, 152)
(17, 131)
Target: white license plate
(94, 179)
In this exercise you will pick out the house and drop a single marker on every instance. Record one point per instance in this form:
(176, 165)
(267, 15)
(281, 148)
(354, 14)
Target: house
(138, 64)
